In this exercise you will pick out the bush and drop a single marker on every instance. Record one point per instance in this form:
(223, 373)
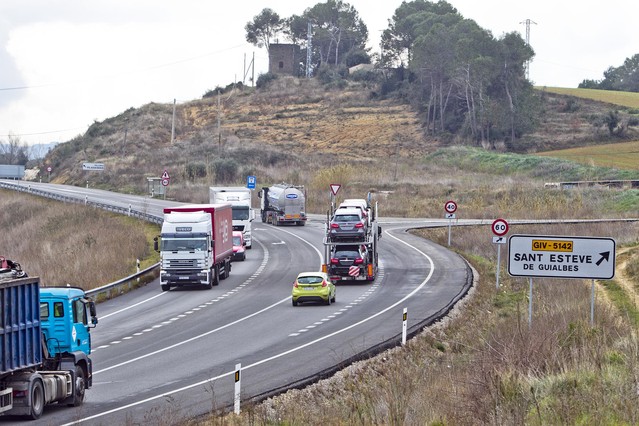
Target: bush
(264, 79)
(225, 170)
(195, 170)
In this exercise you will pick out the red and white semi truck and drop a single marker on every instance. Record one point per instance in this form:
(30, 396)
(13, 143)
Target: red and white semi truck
(195, 245)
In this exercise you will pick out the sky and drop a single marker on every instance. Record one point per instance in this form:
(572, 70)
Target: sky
(65, 64)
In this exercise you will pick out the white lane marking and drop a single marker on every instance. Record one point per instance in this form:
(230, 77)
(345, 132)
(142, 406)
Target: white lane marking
(265, 360)
(191, 311)
(371, 290)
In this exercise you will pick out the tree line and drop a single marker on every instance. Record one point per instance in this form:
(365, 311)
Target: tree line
(624, 78)
(463, 80)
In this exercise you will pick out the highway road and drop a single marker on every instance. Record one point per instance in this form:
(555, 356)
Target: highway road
(166, 356)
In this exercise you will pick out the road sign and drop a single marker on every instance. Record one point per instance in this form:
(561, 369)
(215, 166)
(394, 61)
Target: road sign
(165, 175)
(93, 166)
(250, 182)
(500, 227)
(165, 182)
(561, 257)
(450, 206)
(335, 188)
(450, 215)
(49, 169)
(499, 240)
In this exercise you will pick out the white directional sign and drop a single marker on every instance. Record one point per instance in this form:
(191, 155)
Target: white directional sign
(561, 257)
(93, 166)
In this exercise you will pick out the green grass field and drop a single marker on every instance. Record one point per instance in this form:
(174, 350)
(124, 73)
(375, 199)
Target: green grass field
(627, 99)
(623, 156)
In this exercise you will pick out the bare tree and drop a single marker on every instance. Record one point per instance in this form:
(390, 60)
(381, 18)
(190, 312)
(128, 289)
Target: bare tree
(14, 151)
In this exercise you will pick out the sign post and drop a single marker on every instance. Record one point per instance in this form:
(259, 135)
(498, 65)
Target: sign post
(166, 180)
(499, 228)
(450, 207)
(334, 190)
(238, 388)
(404, 325)
(561, 257)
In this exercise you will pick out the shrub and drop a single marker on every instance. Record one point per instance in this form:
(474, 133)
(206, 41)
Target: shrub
(264, 79)
(195, 170)
(225, 170)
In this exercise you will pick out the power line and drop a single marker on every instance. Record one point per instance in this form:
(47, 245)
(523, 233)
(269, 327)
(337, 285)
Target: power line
(39, 133)
(152, 67)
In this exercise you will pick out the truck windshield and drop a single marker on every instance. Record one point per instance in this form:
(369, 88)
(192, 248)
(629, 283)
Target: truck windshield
(183, 244)
(240, 213)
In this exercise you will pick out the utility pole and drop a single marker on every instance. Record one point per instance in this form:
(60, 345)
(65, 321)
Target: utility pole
(309, 49)
(527, 22)
(219, 131)
(173, 124)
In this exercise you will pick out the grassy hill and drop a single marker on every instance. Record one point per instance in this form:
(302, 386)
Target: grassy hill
(483, 365)
(301, 132)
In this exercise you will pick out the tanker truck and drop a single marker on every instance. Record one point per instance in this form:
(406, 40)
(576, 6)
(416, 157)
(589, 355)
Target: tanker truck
(45, 345)
(283, 204)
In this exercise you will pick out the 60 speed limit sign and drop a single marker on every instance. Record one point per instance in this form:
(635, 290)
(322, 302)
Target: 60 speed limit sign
(500, 227)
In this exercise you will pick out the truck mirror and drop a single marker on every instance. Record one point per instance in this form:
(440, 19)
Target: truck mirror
(212, 244)
(93, 313)
(156, 245)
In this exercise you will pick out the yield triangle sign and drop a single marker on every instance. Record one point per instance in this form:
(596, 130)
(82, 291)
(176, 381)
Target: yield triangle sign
(335, 187)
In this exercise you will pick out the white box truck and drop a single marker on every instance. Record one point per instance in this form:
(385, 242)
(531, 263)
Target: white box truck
(239, 198)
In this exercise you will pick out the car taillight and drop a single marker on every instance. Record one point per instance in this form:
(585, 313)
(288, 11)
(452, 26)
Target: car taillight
(359, 261)
(324, 283)
(334, 225)
(334, 261)
(359, 225)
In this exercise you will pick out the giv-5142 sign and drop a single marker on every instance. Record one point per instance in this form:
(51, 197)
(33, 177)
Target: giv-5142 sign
(561, 257)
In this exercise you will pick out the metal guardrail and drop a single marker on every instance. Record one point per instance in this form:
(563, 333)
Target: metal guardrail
(116, 287)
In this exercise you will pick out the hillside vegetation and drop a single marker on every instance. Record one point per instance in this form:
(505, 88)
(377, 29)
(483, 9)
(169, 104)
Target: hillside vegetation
(481, 366)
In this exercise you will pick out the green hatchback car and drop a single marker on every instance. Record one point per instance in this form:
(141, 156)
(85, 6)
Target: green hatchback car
(313, 287)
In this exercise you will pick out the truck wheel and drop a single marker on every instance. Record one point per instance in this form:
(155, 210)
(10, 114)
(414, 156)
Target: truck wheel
(165, 287)
(80, 387)
(227, 270)
(215, 278)
(37, 399)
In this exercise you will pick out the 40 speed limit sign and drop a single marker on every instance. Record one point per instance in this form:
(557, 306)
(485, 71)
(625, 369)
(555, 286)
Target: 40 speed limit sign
(450, 206)
(500, 227)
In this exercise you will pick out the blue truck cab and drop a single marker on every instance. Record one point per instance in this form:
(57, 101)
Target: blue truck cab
(66, 316)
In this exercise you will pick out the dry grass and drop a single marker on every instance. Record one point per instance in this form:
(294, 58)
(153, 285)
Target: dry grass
(483, 365)
(558, 371)
(68, 243)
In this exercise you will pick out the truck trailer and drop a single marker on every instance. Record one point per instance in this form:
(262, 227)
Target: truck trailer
(45, 344)
(283, 204)
(239, 198)
(195, 245)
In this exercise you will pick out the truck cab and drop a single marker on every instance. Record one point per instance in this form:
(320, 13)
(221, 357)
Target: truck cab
(66, 316)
